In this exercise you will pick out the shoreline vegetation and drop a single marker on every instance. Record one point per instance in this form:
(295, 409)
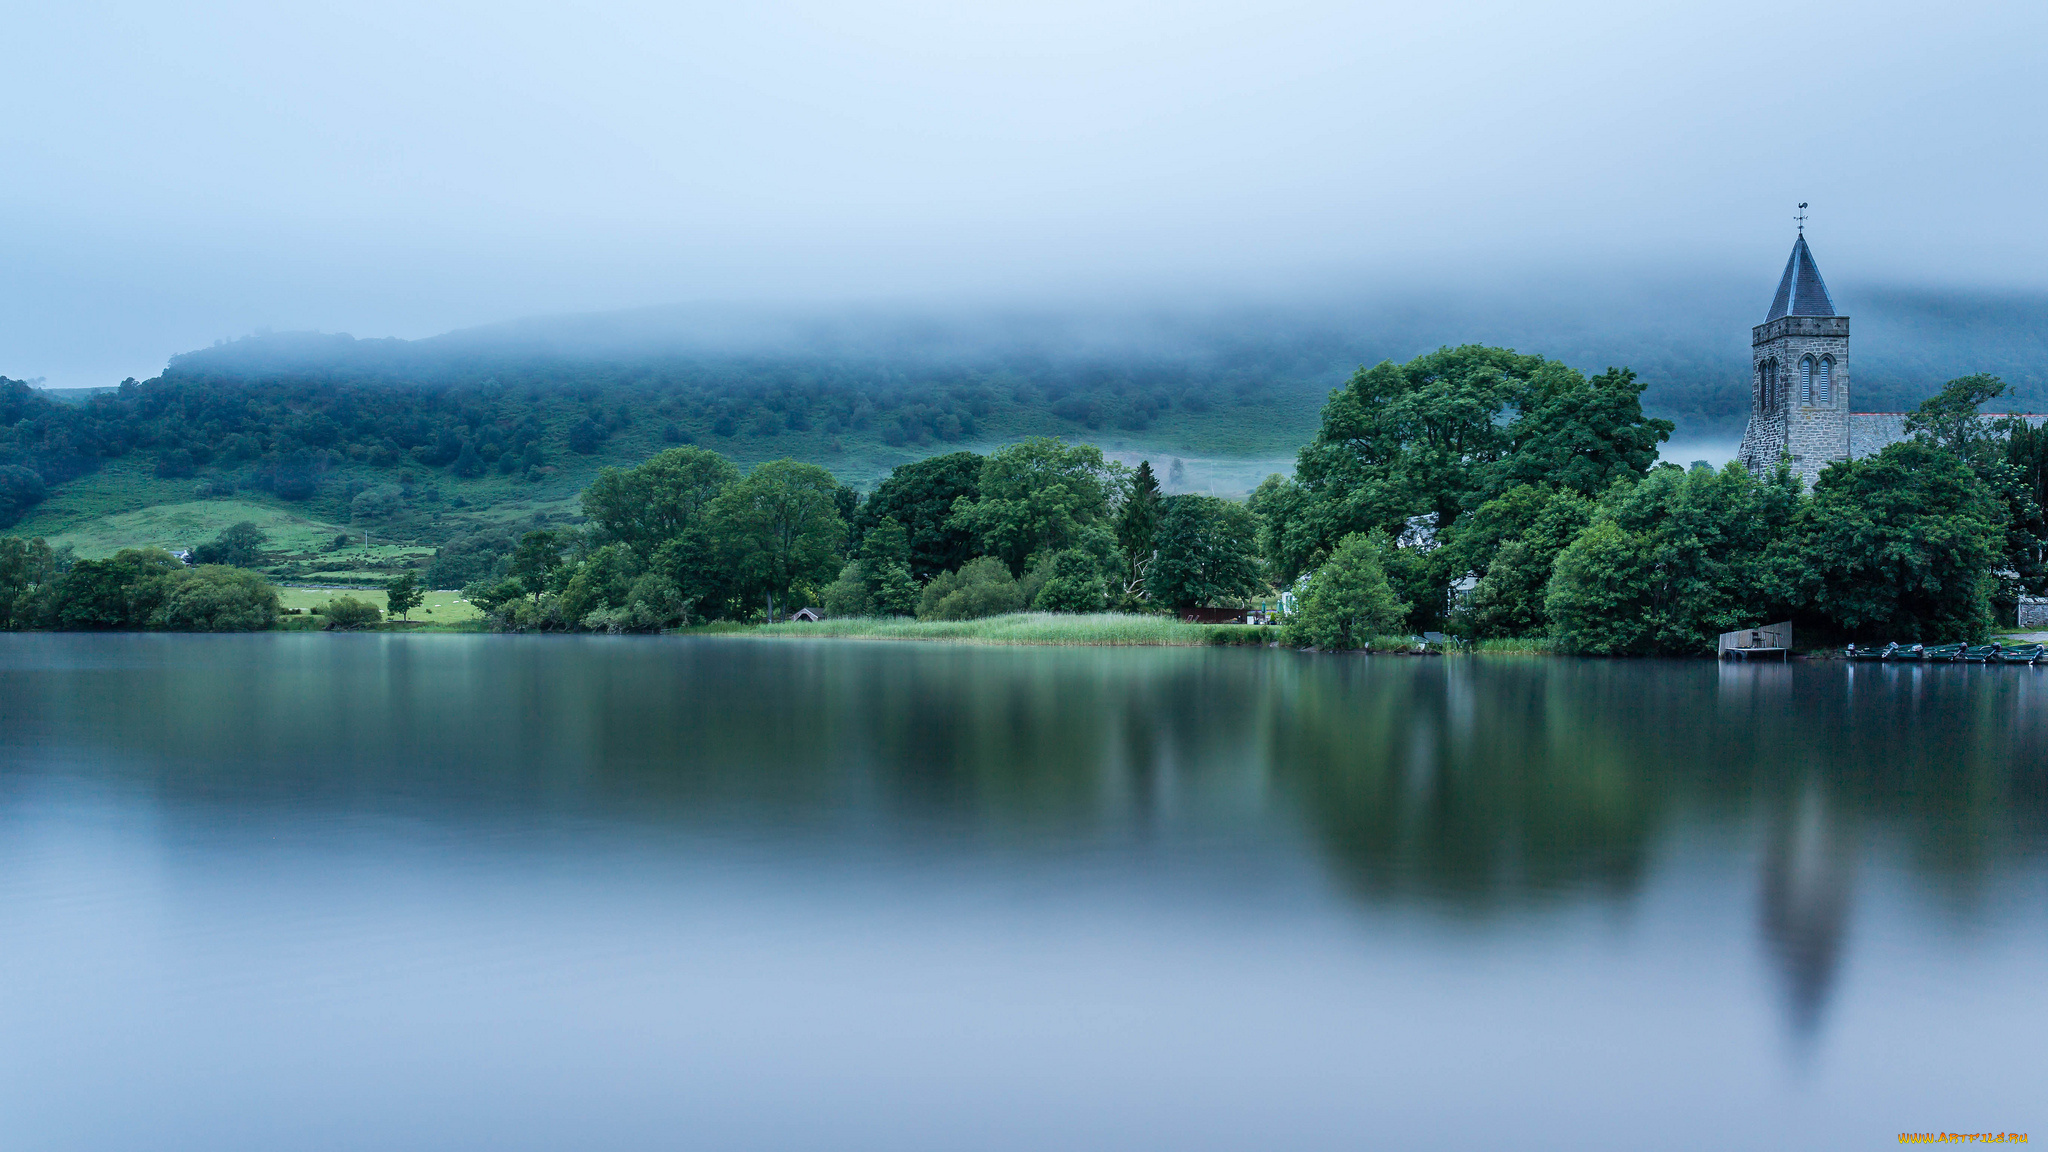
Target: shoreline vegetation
(1099, 630)
(1096, 629)
(1507, 502)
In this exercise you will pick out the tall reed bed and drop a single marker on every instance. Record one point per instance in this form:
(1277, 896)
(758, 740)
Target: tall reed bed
(1519, 646)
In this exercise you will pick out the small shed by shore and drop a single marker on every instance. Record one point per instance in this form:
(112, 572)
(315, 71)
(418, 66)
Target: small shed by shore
(805, 616)
(1768, 642)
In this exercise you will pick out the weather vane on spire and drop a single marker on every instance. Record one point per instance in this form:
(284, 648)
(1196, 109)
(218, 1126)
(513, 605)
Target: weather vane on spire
(1801, 217)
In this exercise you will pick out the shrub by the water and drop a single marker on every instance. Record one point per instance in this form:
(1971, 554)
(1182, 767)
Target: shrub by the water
(348, 612)
(982, 587)
(1349, 600)
(1076, 585)
(217, 598)
(1900, 545)
(848, 595)
(1242, 635)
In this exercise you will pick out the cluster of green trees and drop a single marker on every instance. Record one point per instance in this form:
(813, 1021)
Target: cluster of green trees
(136, 588)
(1039, 524)
(1472, 490)
(1506, 496)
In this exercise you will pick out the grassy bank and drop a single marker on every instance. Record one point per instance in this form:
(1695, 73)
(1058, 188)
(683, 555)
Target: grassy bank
(1106, 629)
(440, 607)
(1102, 629)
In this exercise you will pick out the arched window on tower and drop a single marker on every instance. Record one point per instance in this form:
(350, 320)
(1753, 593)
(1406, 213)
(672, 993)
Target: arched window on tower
(1806, 381)
(1771, 382)
(1825, 389)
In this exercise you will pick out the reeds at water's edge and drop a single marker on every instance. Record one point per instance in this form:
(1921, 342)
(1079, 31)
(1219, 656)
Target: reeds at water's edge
(1109, 629)
(1099, 628)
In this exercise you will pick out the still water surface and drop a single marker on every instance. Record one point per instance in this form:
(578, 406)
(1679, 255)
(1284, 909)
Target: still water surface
(437, 892)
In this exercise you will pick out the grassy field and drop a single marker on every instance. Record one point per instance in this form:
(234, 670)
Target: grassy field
(1109, 629)
(440, 608)
(299, 549)
(191, 523)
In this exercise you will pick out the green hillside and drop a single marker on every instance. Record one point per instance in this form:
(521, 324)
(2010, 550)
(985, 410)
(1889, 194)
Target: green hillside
(426, 454)
(419, 442)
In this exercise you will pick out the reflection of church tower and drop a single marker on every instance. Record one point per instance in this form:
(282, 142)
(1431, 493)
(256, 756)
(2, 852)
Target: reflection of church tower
(1799, 383)
(1807, 872)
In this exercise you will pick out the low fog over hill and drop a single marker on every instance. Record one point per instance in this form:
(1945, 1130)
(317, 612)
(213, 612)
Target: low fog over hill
(1690, 343)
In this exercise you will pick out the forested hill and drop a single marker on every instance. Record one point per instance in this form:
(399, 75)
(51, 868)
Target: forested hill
(1690, 343)
(343, 428)
(527, 412)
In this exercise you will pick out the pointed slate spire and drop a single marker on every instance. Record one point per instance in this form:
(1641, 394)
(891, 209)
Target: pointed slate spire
(1801, 292)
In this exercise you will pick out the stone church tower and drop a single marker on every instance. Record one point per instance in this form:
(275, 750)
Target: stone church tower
(1799, 389)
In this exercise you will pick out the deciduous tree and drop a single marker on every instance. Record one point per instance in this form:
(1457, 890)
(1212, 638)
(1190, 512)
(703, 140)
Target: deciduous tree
(239, 546)
(1901, 545)
(779, 530)
(1675, 559)
(1040, 495)
(28, 573)
(402, 594)
(1075, 585)
(536, 560)
(1207, 550)
(645, 507)
(1348, 601)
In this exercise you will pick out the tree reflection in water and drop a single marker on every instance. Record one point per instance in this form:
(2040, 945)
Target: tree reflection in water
(1484, 785)
(1473, 787)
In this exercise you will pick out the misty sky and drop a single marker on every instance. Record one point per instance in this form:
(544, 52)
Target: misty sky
(176, 177)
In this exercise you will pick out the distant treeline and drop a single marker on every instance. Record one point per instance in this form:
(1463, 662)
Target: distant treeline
(1472, 490)
(293, 435)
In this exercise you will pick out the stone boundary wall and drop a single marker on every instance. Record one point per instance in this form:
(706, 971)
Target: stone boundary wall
(1869, 432)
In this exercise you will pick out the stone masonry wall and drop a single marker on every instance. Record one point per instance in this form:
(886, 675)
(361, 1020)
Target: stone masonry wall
(1815, 435)
(1869, 432)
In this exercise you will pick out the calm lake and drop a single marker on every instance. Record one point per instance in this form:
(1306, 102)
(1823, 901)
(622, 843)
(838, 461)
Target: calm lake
(438, 892)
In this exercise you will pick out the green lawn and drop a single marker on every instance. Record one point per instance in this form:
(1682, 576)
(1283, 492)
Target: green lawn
(440, 608)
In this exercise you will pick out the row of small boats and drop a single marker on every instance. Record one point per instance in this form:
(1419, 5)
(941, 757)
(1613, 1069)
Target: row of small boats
(1950, 653)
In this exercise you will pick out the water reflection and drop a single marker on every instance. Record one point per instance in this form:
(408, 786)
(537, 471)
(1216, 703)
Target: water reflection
(1809, 864)
(1477, 785)
(1470, 789)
